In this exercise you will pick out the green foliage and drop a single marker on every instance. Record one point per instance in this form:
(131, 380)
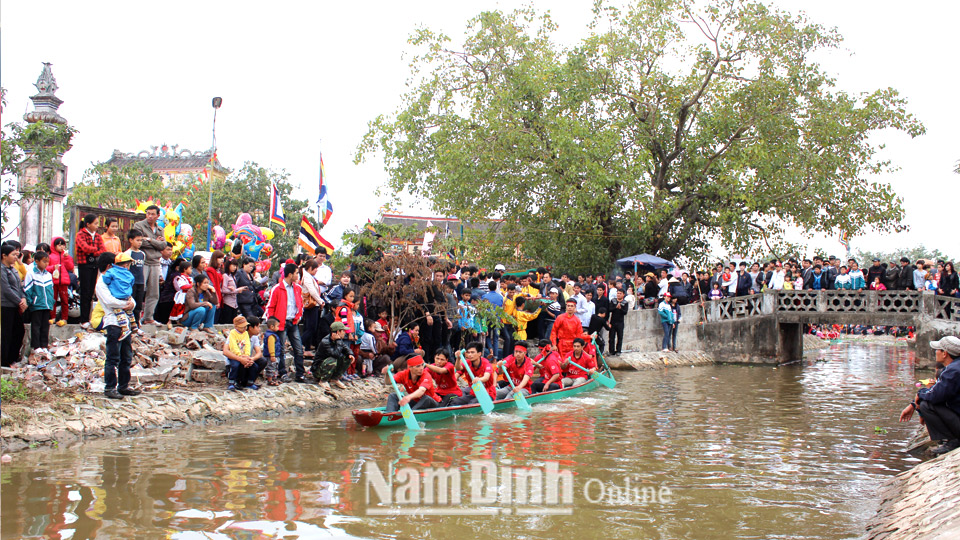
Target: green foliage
(11, 390)
(118, 188)
(493, 316)
(246, 190)
(914, 253)
(676, 124)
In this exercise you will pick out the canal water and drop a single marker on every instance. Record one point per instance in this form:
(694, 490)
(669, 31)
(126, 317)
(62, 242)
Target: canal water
(703, 453)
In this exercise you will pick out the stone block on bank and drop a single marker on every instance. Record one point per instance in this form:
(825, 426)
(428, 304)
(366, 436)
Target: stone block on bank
(207, 376)
(210, 359)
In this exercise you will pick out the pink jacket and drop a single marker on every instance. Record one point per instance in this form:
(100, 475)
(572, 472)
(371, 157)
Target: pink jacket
(65, 262)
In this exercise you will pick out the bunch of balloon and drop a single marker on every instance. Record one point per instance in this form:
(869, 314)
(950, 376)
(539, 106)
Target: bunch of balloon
(250, 240)
(179, 235)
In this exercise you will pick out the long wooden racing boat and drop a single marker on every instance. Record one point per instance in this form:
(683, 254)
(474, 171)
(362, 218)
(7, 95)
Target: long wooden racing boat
(379, 417)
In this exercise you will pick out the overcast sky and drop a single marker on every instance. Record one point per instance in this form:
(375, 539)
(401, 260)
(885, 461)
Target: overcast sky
(300, 77)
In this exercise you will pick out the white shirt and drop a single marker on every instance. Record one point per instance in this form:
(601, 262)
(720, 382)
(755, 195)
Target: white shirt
(324, 277)
(583, 309)
(291, 302)
(776, 279)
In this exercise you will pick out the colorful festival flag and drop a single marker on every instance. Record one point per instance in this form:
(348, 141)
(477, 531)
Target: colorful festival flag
(324, 208)
(276, 207)
(311, 240)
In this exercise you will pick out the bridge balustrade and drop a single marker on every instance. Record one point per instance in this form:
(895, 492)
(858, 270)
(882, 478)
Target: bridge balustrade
(947, 308)
(894, 303)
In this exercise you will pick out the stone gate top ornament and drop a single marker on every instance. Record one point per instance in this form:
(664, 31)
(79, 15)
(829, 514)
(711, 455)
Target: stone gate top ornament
(46, 84)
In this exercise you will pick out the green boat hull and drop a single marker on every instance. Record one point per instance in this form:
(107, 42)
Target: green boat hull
(378, 417)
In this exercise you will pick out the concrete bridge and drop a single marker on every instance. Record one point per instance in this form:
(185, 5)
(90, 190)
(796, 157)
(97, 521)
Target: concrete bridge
(768, 327)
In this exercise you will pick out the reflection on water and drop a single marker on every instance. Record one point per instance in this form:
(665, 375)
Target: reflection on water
(748, 452)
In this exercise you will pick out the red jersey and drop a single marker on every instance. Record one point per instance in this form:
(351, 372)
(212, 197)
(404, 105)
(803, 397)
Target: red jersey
(485, 367)
(565, 329)
(517, 372)
(585, 360)
(446, 382)
(550, 366)
(425, 381)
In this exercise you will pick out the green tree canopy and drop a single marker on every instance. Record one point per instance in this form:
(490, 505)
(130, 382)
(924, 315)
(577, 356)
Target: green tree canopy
(674, 125)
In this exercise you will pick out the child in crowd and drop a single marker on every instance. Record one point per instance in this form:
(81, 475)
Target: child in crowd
(930, 283)
(181, 284)
(384, 326)
(842, 280)
(137, 258)
(38, 290)
(61, 266)
(239, 352)
(368, 347)
(877, 285)
(716, 293)
(254, 331)
(271, 351)
(119, 280)
(165, 261)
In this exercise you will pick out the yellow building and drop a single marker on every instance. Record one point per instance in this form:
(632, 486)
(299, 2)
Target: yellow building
(173, 164)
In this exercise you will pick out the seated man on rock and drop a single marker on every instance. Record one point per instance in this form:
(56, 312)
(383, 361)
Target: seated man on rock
(333, 357)
(939, 405)
(421, 392)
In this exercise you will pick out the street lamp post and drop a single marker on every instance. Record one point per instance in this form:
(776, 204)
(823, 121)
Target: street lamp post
(217, 101)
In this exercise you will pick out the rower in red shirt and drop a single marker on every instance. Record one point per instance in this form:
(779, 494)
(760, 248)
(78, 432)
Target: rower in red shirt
(566, 328)
(445, 377)
(482, 370)
(520, 369)
(550, 372)
(421, 391)
(572, 375)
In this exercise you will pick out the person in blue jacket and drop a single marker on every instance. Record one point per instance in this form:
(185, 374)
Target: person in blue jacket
(667, 320)
(939, 405)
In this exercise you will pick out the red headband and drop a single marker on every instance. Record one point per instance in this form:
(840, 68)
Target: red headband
(519, 346)
(415, 361)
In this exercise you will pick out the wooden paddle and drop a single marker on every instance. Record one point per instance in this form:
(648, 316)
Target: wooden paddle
(600, 377)
(479, 391)
(517, 394)
(405, 409)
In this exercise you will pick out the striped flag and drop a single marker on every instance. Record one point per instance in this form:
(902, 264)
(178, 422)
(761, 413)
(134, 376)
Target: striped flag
(276, 207)
(311, 240)
(324, 208)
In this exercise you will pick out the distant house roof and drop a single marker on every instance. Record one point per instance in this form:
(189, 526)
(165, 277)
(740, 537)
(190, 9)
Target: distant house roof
(420, 222)
(168, 158)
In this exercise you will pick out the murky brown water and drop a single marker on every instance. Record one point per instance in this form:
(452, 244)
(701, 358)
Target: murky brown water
(746, 452)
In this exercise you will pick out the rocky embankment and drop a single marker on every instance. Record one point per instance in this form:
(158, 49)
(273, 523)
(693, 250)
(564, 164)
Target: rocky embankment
(922, 503)
(92, 415)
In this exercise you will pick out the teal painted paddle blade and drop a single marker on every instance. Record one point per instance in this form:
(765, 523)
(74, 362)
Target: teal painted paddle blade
(405, 411)
(483, 398)
(609, 382)
(517, 396)
(408, 418)
(521, 402)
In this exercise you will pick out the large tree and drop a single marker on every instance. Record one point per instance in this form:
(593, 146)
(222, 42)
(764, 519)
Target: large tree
(675, 125)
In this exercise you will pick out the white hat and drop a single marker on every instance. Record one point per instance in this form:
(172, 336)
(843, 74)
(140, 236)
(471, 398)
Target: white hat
(500, 267)
(30, 247)
(950, 344)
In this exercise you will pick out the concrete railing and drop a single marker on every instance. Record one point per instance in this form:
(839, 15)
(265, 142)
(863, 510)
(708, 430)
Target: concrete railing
(900, 304)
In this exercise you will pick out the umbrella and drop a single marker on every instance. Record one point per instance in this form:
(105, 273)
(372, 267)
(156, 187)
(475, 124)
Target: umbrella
(645, 260)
